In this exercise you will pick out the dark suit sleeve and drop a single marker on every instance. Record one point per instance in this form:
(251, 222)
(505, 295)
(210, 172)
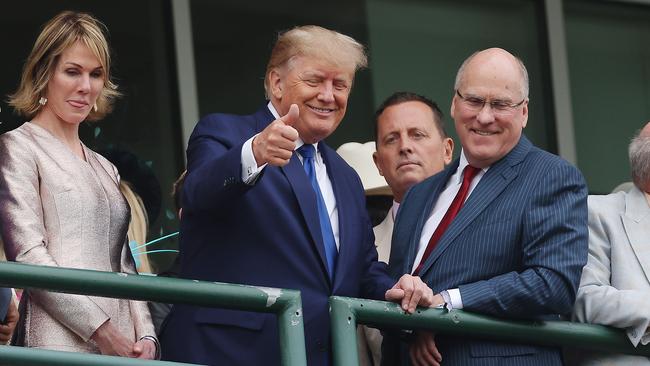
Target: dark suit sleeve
(554, 249)
(214, 178)
(376, 280)
(5, 300)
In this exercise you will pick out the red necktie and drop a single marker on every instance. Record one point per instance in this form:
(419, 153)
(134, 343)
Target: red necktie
(468, 174)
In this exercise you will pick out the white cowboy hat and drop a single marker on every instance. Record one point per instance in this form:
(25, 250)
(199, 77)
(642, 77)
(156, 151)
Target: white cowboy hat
(359, 156)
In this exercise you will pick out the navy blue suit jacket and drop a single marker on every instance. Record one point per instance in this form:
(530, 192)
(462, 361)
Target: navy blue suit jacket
(265, 234)
(515, 250)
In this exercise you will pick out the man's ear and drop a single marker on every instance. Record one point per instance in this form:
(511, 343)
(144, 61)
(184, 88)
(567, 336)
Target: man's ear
(275, 83)
(448, 145)
(524, 112)
(453, 106)
(374, 158)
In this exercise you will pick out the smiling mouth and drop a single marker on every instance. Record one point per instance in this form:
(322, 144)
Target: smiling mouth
(483, 133)
(321, 110)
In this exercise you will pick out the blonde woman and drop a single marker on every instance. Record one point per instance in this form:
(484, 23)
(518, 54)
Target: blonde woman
(60, 204)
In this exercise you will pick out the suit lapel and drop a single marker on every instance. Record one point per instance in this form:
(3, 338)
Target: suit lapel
(346, 216)
(263, 117)
(306, 198)
(437, 186)
(636, 221)
(495, 180)
(301, 187)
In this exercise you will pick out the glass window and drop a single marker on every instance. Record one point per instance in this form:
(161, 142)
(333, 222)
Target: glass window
(413, 45)
(233, 42)
(418, 45)
(609, 63)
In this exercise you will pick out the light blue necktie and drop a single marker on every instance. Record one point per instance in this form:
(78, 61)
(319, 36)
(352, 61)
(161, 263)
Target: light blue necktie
(331, 253)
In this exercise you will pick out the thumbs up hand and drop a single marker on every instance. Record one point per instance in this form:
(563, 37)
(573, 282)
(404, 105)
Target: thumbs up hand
(275, 144)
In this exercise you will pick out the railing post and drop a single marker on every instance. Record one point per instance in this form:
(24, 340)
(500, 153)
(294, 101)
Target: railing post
(344, 332)
(291, 328)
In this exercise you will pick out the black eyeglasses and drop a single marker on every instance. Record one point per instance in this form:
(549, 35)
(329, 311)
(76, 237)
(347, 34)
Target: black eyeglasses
(476, 104)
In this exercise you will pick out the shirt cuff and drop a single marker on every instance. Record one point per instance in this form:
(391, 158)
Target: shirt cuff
(452, 298)
(156, 343)
(250, 171)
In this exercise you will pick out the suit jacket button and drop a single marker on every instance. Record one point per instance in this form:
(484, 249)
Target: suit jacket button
(320, 346)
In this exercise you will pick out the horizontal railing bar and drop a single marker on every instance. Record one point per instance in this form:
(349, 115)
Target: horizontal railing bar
(458, 322)
(39, 357)
(285, 303)
(148, 288)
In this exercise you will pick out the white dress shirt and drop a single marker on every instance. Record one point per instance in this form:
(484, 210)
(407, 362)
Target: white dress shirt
(452, 296)
(394, 208)
(250, 172)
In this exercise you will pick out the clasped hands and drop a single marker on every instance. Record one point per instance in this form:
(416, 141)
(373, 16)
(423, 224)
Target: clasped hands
(410, 292)
(111, 342)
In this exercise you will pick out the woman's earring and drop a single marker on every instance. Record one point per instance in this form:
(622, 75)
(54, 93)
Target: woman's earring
(95, 107)
(42, 101)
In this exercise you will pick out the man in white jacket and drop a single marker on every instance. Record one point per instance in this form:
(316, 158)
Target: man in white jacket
(615, 284)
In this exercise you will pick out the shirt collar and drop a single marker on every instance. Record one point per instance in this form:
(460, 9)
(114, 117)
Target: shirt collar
(274, 111)
(394, 208)
(461, 166)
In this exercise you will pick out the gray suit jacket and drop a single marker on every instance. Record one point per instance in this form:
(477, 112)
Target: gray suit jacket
(615, 285)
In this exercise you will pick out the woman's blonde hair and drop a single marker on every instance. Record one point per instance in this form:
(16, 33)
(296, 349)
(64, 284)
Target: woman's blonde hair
(58, 35)
(137, 226)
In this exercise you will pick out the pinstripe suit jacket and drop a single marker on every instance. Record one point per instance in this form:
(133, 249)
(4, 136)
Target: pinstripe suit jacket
(515, 250)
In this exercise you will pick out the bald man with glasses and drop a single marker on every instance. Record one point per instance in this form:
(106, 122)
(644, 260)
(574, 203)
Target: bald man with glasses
(502, 231)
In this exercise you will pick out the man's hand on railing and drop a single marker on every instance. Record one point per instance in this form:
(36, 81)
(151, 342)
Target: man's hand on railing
(423, 350)
(410, 291)
(111, 342)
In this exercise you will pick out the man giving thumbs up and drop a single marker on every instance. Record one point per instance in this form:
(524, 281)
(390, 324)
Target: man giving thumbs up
(266, 202)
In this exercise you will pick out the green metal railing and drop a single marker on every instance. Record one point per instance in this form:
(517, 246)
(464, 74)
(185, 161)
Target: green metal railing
(285, 303)
(10, 355)
(346, 312)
